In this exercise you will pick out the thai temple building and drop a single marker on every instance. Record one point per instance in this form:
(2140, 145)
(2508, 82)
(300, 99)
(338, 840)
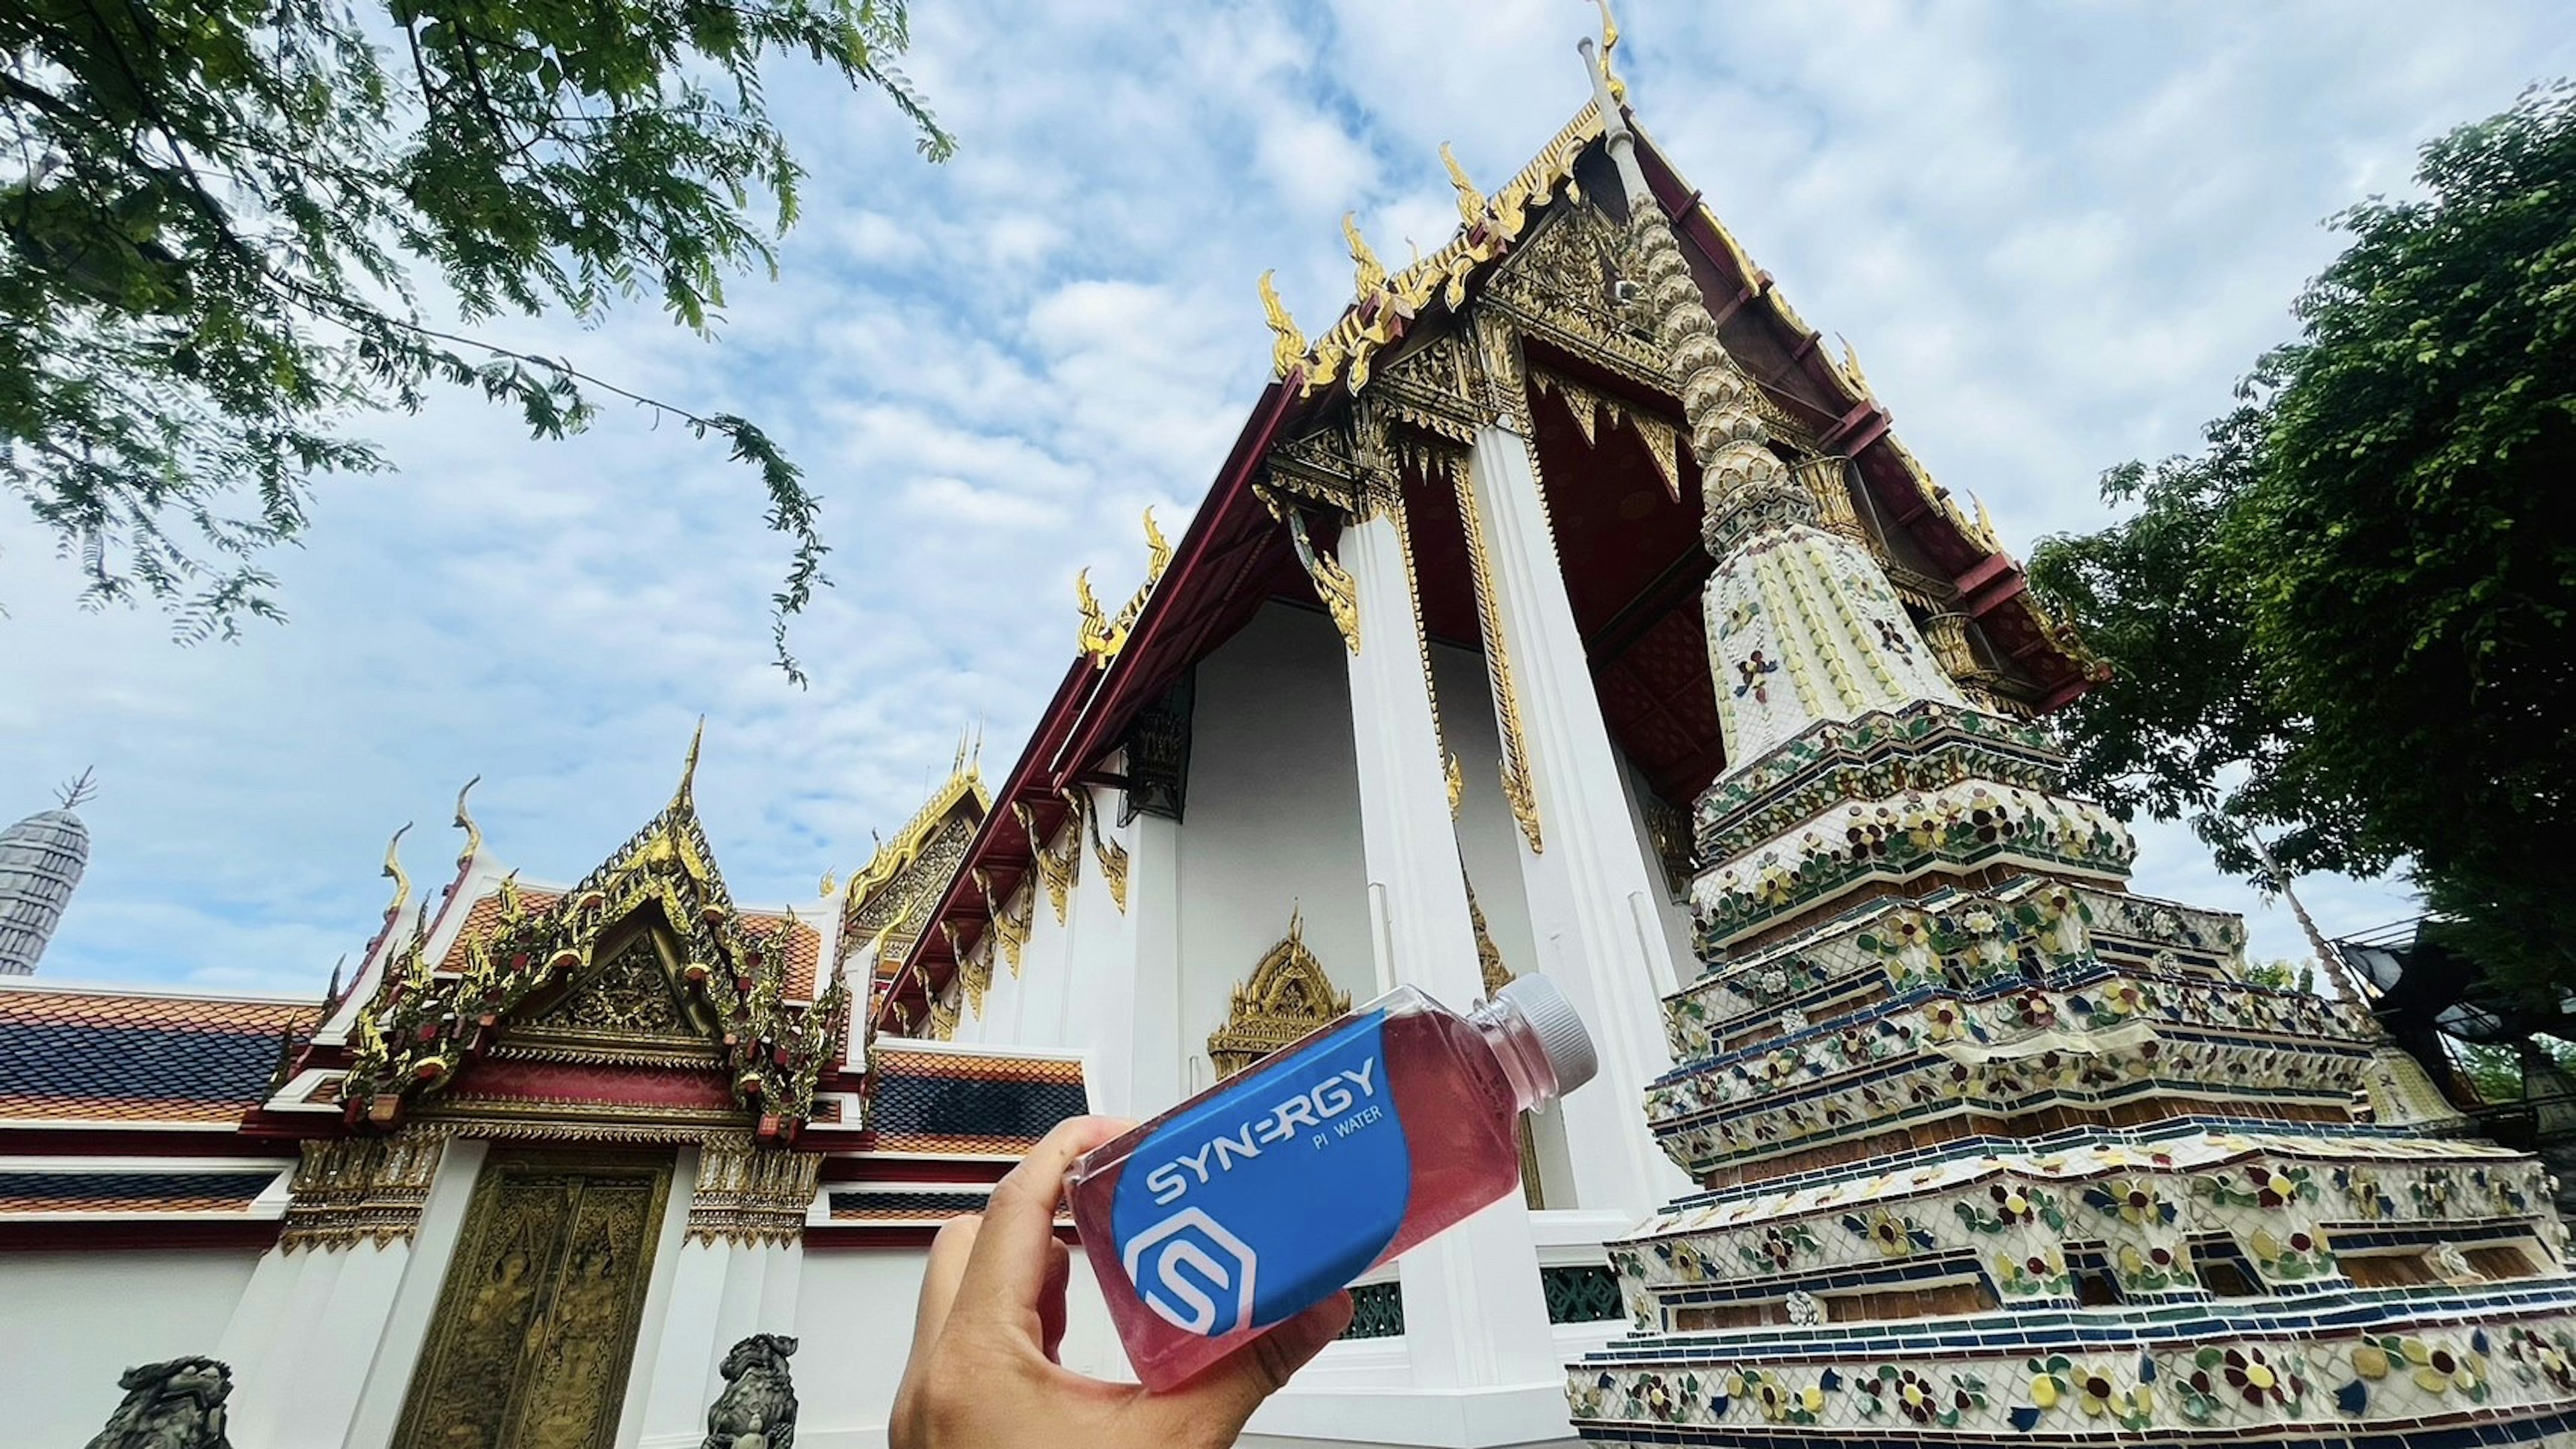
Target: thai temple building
(1564, 606)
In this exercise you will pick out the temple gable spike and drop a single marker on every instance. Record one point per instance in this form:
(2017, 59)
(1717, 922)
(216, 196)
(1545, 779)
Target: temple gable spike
(1616, 89)
(393, 871)
(1471, 202)
(1369, 276)
(465, 822)
(1288, 345)
(80, 791)
(685, 799)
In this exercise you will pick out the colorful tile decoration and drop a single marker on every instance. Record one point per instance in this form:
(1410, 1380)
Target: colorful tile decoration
(90, 1194)
(2006, 1153)
(961, 1102)
(104, 1056)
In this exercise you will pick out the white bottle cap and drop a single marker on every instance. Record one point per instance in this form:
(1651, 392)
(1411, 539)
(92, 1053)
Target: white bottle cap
(1561, 1033)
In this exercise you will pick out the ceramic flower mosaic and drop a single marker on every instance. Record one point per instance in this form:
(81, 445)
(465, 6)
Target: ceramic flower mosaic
(2033, 1159)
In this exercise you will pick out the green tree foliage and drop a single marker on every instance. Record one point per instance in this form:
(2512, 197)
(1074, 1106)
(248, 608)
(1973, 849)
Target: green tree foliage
(217, 218)
(2354, 606)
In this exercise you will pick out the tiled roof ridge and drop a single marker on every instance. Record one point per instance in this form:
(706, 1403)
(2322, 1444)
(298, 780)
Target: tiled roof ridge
(160, 991)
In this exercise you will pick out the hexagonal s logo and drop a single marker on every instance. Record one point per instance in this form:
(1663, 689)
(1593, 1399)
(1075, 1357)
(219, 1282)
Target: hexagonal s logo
(1193, 1273)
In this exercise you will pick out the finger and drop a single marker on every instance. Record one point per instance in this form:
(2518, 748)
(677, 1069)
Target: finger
(1009, 1268)
(949, 1253)
(1051, 1313)
(1226, 1394)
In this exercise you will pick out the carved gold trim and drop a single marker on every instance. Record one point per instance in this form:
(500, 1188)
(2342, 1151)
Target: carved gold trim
(1488, 227)
(1101, 637)
(359, 1189)
(1059, 866)
(1287, 996)
(1517, 786)
(577, 1121)
(975, 976)
(1489, 957)
(1333, 584)
(535, 1329)
(1011, 914)
(1112, 855)
(1589, 407)
(750, 1195)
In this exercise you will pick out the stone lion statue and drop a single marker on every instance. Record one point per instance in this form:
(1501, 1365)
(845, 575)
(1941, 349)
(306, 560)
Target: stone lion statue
(173, 1405)
(757, 1410)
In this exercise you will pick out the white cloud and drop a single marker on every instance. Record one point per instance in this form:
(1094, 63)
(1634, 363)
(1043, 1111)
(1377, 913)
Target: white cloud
(2055, 236)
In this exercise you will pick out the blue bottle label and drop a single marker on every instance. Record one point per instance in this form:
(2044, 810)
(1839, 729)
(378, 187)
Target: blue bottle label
(1270, 1195)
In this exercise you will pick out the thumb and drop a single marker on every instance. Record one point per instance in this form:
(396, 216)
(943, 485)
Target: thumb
(1213, 1407)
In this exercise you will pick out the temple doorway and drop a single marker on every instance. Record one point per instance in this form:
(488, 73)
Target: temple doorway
(536, 1320)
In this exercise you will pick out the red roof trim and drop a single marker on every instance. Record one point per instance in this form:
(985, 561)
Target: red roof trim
(1094, 703)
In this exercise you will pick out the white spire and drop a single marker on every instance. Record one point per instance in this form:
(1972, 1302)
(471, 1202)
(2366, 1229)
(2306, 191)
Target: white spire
(41, 860)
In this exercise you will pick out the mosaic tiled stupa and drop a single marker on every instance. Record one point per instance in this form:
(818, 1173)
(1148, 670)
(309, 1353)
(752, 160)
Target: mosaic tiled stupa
(1992, 1149)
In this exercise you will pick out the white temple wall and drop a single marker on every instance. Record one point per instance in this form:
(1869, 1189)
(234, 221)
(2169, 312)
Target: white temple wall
(1098, 1015)
(853, 1330)
(71, 1322)
(1272, 821)
(1488, 837)
(1489, 846)
(1671, 912)
(1044, 966)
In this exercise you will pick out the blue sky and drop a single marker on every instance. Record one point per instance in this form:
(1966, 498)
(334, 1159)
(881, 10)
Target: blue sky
(2055, 235)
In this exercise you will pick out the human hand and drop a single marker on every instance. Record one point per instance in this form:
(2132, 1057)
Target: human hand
(983, 1372)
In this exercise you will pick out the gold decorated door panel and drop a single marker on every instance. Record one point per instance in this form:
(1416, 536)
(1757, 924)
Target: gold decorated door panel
(536, 1321)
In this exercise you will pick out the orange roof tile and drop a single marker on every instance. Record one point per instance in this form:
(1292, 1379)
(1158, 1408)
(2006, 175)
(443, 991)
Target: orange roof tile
(88, 1056)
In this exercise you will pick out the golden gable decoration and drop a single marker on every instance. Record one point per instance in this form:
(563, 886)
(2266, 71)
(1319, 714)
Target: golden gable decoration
(1288, 996)
(620, 993)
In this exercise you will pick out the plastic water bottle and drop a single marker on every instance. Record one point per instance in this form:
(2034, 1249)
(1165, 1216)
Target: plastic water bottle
(1265, 1194)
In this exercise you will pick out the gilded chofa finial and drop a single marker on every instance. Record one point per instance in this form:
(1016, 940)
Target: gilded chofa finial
(1609, 44)
(394, 872)
(465, 822)
(689, 770)
(1852, 371)
(1471, 202)
(1097, 638)
(1288, 347)
(1369, 278)
(1158, 553)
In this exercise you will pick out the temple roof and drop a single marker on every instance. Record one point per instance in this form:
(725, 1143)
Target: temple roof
(76, 1055)
(1646, 642)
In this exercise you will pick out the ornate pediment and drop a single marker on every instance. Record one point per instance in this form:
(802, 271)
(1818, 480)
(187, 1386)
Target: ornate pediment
(645, 962)
(1288, 996)
(888, 900)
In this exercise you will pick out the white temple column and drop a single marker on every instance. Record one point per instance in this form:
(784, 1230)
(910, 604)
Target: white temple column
(706, 1296)
(1589, 886)
(1100, 965)
(323, 1345)
(1159, 1064)
(1474, 1314)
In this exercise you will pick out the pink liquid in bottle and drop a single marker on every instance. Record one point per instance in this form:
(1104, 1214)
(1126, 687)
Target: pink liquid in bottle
(1265, 1194)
